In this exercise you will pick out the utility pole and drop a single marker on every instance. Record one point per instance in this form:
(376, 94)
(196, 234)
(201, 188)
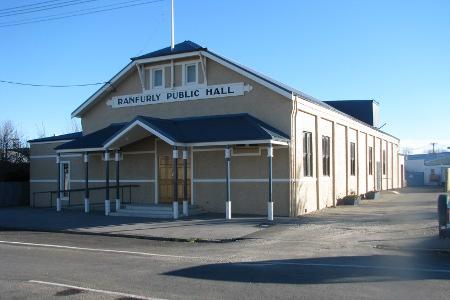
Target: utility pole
(433, 144)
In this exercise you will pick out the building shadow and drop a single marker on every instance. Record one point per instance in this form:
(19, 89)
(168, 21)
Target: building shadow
(48, 219)
(323, 270)
(418, 190)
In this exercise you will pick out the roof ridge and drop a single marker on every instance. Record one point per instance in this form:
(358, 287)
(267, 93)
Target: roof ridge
(182, 47)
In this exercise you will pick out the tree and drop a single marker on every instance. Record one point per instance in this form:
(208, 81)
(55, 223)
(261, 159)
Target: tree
(12, 144)
(407, 151)
(73, 126)
(40, 130)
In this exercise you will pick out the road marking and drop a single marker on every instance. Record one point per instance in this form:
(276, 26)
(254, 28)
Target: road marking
(93, 290)
(100, 250)
(347, 266)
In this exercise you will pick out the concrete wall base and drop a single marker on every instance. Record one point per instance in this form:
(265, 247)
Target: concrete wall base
(185, 208)
(107, 207)
(270, 211)
(228, 210)
(58, 204)
(175, 210)
(86, 205)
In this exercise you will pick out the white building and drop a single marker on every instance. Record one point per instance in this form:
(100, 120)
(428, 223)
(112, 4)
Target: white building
(427, 169)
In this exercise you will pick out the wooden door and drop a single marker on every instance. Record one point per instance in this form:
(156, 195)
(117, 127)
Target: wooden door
(165, 179)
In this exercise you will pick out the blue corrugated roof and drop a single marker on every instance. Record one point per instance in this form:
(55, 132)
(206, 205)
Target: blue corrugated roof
(92, 140)
(186, 46)
(359, 109)
(55, 138)
(219, 128)
(438, 161)
(203, 129)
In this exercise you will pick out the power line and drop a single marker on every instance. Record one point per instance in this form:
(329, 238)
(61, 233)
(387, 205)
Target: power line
(77, 14)
(67, 13)
(44, 8)
(53, 85)
(28, 5)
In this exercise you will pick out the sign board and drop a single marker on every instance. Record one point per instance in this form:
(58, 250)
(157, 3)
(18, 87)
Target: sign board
(180, 94)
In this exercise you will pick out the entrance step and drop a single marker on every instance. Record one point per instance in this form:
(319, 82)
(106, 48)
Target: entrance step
(160, 211)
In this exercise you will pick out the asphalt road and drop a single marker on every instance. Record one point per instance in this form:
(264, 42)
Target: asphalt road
(329, 255)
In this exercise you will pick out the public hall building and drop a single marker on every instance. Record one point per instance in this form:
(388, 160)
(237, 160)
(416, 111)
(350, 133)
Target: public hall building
(183, 130)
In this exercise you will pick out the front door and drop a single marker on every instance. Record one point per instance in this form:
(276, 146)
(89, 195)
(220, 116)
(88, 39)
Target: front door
(165, 179)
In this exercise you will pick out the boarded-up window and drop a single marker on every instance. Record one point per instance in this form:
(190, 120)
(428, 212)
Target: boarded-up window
(246, 150)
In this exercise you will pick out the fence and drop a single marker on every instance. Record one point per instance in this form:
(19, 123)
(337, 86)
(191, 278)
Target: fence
(14, 193)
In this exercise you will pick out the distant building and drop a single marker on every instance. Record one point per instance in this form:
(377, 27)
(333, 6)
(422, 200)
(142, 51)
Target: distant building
(427, 169)
(188, 126)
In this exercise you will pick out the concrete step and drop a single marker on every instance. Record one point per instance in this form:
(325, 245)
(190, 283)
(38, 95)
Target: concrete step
(134, 213)
(140, 207)
(153, 211)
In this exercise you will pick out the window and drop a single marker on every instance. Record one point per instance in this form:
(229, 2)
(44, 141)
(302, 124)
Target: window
(191, 74)
(352, 159)
(157, 78)
(384, 162)
(307, 154)
(370, 161)
(326, 155)
(153, 78)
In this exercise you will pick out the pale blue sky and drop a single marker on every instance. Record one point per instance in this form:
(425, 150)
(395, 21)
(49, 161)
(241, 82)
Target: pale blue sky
(396, 52)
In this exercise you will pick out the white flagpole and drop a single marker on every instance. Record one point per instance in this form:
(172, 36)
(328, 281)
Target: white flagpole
(172, 37)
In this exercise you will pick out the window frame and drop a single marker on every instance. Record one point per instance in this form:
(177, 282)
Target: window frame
(326, 156)
(185, 73)
(352, 159)
(149, 78)
(308, 168)
(163, 83)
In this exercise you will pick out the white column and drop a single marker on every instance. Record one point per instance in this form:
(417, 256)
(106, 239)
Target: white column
(270, 203)
(228, 181)
(107, 207)
(175, 182)
(86, 192)
(117, 159)
(107, 202)
(185, 189)
(58, 195)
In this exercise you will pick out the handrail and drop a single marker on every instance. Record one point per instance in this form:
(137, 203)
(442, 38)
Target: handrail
(122, 187)
(90, 189)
